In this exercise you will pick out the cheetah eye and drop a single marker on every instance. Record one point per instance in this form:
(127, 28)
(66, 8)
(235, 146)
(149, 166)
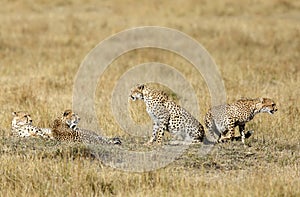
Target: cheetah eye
(273, 105)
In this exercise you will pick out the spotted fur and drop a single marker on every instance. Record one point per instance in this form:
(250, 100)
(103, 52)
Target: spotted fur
(223, 119)
(167, 115)
(21, 126)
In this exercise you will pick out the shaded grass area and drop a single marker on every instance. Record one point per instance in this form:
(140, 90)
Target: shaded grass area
(74, 169)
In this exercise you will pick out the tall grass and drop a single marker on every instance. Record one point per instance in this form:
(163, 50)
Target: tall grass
(255, 44)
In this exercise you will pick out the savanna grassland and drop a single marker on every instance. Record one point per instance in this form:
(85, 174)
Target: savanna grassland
(256, 45)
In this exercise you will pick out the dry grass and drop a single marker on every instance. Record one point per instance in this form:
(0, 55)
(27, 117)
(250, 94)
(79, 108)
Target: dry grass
(256, 45)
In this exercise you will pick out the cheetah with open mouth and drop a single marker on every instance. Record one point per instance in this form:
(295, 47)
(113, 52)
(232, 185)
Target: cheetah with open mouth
(223, 119)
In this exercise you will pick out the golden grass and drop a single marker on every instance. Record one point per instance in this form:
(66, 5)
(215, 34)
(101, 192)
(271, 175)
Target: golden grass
(256, 45)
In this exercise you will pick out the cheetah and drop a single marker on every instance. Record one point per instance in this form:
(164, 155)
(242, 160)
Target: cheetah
(166, 115)
(65, 128)
(21, 126)
(224, 118)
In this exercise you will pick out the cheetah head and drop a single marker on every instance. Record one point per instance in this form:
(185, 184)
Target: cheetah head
(20, 119)
(70, 118)
(266, 105)
(137, 92)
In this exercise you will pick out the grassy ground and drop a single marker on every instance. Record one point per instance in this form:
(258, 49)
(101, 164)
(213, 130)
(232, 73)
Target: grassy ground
(255, 44)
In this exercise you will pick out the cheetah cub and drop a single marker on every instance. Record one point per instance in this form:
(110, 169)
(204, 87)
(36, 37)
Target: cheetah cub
(21, 126)
(223, 119)
(166, 115)
(65, 128)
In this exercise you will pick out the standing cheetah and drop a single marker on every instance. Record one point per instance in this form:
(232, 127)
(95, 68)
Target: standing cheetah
(224, 118)
(166, 115)
(65, 128)
(21, 126)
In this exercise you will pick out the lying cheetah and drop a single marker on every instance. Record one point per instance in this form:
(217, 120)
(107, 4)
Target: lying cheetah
(65, 128)
(224, 118)
(166, 115)
(21, 126)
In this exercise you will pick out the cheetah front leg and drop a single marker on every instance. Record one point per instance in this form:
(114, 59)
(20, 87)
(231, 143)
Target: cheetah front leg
(163, 126)
(160, 134)
(158, 129)
(242, 132)
(157, 134)
(154, 132)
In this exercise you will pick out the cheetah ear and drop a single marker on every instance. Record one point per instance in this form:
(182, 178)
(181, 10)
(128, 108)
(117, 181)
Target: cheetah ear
(67, 112)
(14, 113)
(261, 100)
(141, 86)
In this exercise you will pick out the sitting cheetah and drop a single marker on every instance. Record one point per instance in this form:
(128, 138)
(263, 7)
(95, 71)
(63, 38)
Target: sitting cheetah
(167, 115)
(21, 126)
(65, 128)
(224, 118)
